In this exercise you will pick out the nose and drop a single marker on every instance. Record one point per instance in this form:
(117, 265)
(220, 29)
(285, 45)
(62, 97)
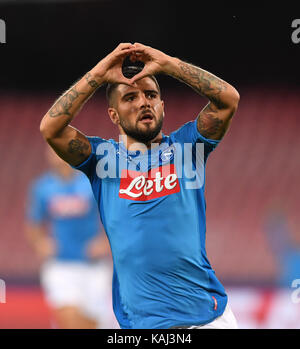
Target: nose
(144, 102)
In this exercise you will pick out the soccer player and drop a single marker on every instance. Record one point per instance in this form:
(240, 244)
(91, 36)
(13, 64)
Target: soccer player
(284, 242)
(153, 215)
(76, 269)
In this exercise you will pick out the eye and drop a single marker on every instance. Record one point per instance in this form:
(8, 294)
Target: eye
(130, 98)
(151, 95)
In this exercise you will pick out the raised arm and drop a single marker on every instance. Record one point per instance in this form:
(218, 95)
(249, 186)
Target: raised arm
(214, 120)
(69, 143)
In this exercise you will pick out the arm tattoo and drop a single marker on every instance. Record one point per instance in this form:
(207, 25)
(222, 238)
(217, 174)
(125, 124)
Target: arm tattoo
(209, 125)
(202, 82)
(78, 147)
(92, 83)
(63, 105)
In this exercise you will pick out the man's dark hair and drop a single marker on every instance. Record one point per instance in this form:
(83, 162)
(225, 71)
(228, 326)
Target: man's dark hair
(128, 72)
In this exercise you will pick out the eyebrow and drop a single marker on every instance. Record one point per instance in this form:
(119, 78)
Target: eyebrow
(129, 94)
(134, 93)
(151, 91)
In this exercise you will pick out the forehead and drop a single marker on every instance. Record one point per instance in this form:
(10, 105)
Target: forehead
(144, 84)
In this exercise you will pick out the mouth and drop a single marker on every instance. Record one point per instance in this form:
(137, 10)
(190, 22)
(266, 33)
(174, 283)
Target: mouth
(146, 117)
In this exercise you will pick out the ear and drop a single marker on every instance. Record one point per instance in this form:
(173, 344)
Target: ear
(163, 107)
(114, 116)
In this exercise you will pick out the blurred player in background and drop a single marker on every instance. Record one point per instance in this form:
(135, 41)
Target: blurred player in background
(284, 240)
(277, 306)
(76, 270)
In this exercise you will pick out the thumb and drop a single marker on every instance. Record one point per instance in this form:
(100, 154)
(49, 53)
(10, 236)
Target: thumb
(128, 82)
(139, 76)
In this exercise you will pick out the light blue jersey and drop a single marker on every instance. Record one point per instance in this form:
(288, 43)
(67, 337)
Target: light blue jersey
(156, 227)
(69, 207)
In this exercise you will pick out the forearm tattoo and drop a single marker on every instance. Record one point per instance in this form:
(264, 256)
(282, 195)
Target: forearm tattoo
(202, 82)
(78, 147)
(90, 81)
(65, 103)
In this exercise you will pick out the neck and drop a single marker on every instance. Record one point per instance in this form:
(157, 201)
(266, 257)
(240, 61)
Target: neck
(134, 145)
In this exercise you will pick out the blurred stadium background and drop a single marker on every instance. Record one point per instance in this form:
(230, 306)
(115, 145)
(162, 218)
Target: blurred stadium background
(252, 189)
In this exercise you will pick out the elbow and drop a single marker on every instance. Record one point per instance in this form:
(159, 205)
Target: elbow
(43, 128)
(234, 99)
(229, 99)
(45, 131)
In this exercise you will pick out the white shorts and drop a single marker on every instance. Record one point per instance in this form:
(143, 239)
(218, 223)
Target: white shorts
(226, 321)
(84, 285)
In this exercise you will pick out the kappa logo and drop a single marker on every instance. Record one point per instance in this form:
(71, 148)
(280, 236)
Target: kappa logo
(168, 154)
(155, 183)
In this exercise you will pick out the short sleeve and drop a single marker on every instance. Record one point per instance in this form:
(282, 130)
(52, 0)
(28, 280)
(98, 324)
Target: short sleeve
(189, 133)
(89, 165)
(36, 205)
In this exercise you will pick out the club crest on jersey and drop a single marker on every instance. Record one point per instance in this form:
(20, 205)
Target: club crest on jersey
(168, 154)
(155, 183)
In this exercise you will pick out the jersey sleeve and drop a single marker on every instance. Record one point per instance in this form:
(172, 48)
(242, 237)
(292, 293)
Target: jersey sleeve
(36, 205)
(189, 133)
(89, 165)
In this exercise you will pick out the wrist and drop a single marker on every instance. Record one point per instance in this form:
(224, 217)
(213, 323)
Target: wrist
(171, 65)
(95, 76)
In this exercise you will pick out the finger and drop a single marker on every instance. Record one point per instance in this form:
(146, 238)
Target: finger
(121, 79)
(143, 49)
(139, 76)
(140, 46)
(142, 55)
(124, 45)
(127, 82)
(124, 52)
(138, 54)
(133, 58)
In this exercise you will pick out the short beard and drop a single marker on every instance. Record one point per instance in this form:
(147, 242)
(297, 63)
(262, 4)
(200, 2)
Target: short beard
(142, 136)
